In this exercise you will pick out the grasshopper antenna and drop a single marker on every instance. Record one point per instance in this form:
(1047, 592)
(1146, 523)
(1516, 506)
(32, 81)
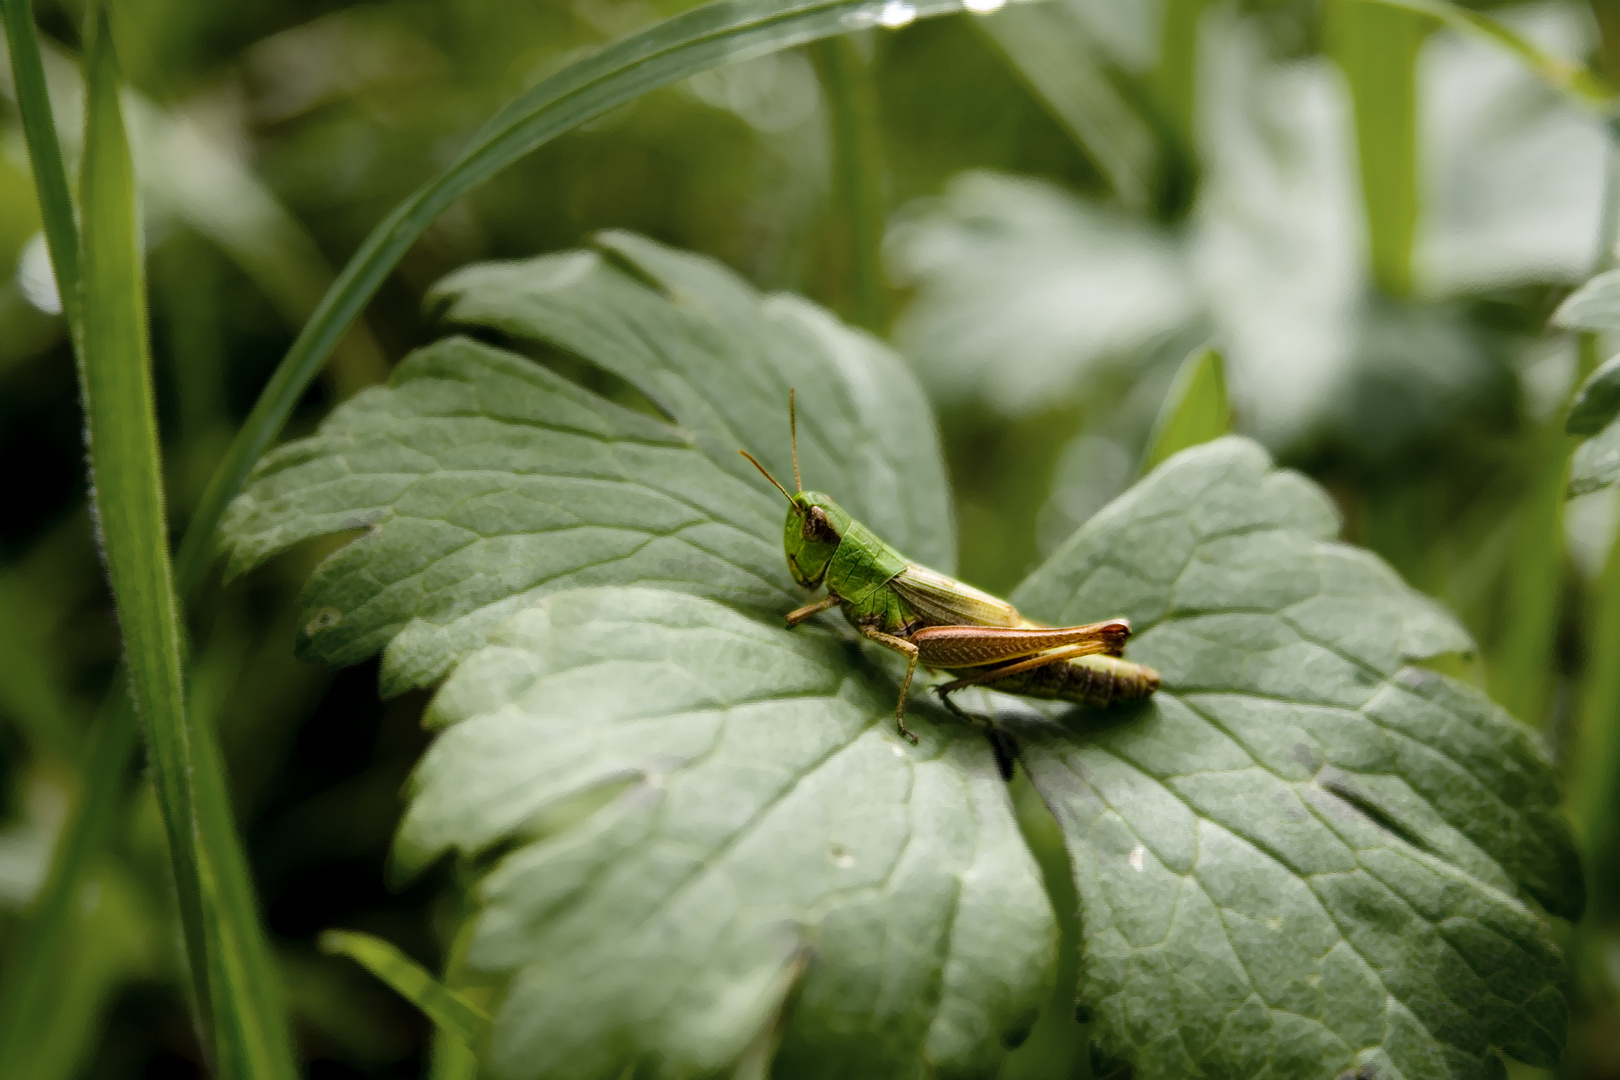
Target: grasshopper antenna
(768, 476)
(793, 435)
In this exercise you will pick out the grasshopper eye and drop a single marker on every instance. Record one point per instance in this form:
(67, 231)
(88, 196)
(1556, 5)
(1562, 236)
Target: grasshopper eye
(817, 527)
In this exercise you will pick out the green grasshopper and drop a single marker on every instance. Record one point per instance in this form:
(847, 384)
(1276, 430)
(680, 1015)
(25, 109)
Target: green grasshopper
(940, 622)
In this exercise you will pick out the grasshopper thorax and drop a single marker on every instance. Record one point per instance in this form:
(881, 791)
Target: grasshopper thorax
(814, 528)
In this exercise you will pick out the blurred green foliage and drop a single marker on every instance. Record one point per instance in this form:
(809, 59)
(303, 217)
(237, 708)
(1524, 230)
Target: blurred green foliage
(1372, 218)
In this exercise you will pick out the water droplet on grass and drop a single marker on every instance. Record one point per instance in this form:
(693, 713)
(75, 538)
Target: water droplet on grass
(897, 13)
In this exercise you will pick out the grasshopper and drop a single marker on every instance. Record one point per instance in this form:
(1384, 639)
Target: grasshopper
(940, 622)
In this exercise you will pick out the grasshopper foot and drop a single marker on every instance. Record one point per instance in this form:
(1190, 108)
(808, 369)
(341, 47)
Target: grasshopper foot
(905, 732)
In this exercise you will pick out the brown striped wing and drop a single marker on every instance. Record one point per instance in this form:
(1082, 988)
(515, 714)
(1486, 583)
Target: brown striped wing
(976, 646)
(944, 601)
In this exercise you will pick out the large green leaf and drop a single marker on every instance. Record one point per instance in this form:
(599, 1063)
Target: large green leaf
(1305, 855)
(701, 843)
(484, 479)
(707, 814)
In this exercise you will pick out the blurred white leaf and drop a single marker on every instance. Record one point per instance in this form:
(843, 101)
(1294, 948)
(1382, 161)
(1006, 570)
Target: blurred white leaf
(35, 278)
(1023, 289)
(1512, 170)
(1277, 242)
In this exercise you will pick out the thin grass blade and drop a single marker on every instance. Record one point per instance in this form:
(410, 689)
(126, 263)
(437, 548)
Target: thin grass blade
(450, 1012)
(240, 1017)
(1579, 82)
(1195, 410)
(44, 155)
(1061, 63)
(665, 53)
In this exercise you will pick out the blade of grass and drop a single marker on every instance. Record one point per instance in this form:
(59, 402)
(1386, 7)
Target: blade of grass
(450, 1012)
(38, 960)
(857, 171)
(1060, 63)
(44, 155)
(1580, 83)
(1376, 46)
(706, 37)
(1194, 411)
(241, 1020)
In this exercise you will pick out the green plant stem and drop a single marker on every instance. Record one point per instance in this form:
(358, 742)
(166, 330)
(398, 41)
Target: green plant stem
(1175, 80)
(44, 156)
(1594, 766)
(450, 1012)
(857, 171)
(1523, 664)
(241, 1021)
(1521, 669)
(1376, 47)
(1595, 779)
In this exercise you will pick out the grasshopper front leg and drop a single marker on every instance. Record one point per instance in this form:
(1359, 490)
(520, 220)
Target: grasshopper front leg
(798, 615)
(899, 645)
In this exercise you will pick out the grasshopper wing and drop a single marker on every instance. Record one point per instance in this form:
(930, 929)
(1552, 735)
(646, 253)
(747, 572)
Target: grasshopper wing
(944, 601)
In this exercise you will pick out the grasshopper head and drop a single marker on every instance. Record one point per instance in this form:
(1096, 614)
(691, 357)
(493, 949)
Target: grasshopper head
(814, 527)
(815, 524)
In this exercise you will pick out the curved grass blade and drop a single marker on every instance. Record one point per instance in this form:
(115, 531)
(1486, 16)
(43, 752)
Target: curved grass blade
(241, 1018)
(449, 1011)
(44, 155)
(1194, 411)
(706, 37)
(1060, 62)
(1580, 83)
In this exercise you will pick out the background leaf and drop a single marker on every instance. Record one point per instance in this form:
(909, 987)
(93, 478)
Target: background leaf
(1594, 307)
(703, 816)
(484, 479)
(1303, 855)
(1597, 401)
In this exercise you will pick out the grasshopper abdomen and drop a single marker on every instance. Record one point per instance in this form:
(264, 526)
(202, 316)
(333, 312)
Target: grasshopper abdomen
(1094, 681)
